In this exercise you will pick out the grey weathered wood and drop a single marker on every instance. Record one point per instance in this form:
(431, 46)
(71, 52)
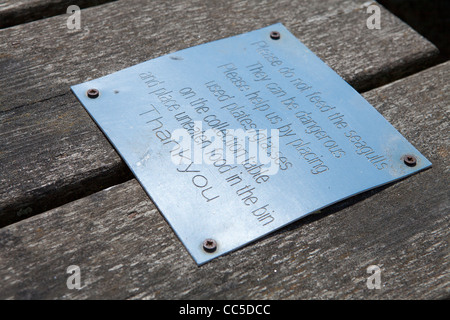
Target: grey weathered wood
(50, 154)
(125, 249)
(40, 60)
(14, 12)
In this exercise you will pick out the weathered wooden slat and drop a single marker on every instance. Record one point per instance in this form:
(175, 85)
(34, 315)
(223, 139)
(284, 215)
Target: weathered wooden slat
(37, 71)
(50, 155)
(125, 249)
(41, 59)
(14, 12)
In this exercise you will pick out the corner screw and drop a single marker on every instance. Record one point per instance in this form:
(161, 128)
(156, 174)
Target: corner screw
(210, 245)
(275, 35)
(93, 93)
(409, 160)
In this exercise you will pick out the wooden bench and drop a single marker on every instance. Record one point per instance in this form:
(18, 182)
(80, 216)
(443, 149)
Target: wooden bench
(67, 198)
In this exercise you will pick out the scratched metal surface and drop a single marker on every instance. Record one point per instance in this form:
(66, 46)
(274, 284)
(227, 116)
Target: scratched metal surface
(332, 143)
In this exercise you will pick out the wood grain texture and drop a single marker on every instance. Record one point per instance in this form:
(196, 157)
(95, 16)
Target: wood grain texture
(125, 248)
(14, 12)
(40, 60)
(51, 154)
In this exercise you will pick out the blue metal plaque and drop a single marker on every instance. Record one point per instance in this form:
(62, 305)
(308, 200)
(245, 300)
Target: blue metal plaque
(236, 138)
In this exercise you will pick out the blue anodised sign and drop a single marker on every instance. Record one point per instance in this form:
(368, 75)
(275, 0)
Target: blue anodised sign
(236, 138)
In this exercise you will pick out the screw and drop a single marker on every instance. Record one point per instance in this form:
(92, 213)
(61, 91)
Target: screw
(275, 35)
(210, 245)
(409, 160)
(93, 93)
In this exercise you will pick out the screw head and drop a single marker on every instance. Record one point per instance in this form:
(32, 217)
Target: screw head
(210, 245)
(409, 160)
(93, 93)
(275, 35)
